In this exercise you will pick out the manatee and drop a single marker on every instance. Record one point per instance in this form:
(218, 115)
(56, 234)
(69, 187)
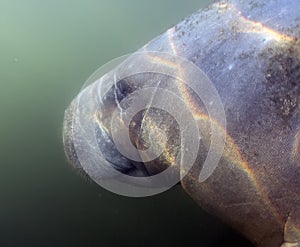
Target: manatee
(250, 51)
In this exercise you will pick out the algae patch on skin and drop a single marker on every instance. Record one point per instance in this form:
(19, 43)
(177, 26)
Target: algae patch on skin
(282, 76)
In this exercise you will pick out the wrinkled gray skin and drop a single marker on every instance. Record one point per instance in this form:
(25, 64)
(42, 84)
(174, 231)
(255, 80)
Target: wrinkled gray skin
(250, 50)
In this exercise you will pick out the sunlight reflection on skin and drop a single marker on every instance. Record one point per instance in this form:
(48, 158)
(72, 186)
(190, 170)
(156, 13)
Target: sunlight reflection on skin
(252, 26)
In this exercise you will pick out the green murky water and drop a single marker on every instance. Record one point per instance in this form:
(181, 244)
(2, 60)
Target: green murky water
(47, 50)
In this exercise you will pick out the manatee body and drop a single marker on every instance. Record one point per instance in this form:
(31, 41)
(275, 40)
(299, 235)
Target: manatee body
(250, 50)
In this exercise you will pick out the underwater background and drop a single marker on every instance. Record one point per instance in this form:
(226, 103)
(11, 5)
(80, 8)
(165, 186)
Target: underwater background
(47, 51)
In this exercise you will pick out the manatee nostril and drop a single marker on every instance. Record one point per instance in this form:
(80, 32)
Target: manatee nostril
(122, 89)
(113, 97)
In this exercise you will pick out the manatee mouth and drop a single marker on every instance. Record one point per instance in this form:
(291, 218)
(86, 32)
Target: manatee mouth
(105, 145)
